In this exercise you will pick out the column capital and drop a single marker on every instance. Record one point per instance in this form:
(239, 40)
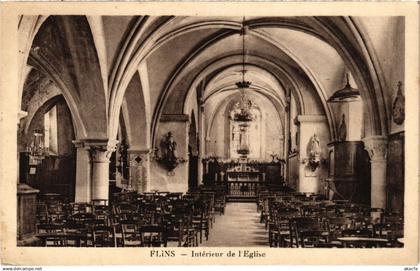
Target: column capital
(105, 144)
(100, 150)
(21, 114)
(377, 148)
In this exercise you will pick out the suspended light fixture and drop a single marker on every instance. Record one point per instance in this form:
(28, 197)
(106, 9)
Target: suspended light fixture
(243, 112)
(346, 94)
(36, 150)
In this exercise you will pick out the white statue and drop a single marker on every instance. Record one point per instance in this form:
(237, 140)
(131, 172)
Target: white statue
(314, 153)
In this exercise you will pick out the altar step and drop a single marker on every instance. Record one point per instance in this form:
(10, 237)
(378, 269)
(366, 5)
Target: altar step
(240, 199)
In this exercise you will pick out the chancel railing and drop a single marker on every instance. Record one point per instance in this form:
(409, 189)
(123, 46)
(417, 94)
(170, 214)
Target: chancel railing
(242, 189)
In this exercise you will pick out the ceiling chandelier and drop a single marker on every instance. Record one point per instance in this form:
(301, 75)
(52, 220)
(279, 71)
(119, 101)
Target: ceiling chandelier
(243, 111)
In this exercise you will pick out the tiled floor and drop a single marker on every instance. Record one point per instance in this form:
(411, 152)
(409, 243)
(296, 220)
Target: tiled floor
(239, 226)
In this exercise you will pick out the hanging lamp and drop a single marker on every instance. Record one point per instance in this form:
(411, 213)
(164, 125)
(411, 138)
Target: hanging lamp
(243, 113)
(346, 94)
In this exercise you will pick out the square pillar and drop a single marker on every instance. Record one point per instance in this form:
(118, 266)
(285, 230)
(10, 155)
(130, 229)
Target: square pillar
(139, 161)
(309, 178)
(161, 177)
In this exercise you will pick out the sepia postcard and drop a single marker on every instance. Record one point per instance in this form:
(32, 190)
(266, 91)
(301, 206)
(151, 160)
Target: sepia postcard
(209, 133)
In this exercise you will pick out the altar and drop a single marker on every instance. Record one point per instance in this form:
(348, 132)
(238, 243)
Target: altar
(243, 182)
(243, 178)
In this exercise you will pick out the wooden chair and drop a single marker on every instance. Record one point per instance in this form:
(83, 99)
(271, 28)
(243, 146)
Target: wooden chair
(78, 234)
(51, 234)
(83, 218)
(307, 232)
(208, 198)
(56, 213)
(361, 239)
(104, 236)
(200, 221)
(219, 204)
(357, 233)
(279, 227)
(391, 227)
(131, 236)
(102, 214)
(152, 236)
(176, 229)
(76, 208)
(41, 213)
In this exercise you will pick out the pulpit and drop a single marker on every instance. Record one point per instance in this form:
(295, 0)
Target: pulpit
(349, 172)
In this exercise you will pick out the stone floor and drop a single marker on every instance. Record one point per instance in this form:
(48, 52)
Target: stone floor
(239, 226)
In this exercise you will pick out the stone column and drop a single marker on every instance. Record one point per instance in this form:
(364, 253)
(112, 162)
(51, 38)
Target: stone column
(139, 161)
(92, 169)
(377, 147)
(201, 144)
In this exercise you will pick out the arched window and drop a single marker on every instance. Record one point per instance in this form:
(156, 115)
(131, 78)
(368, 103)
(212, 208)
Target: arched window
(50, 131)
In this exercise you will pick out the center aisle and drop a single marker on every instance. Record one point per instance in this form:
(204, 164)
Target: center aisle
(239, 226)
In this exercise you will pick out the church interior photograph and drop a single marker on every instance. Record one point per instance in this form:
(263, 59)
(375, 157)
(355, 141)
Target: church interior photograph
(199, 131)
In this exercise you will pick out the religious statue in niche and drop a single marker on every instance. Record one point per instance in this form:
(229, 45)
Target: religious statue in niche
(398, 112)
(342, 131)
(314, 153)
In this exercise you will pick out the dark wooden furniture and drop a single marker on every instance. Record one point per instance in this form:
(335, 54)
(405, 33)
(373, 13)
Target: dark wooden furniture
(349, 172)
(362, 242)
(26, 214)
(395, 173)
(62, 239)
(152, 236)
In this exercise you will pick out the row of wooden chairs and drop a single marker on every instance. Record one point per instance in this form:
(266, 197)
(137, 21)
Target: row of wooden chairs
(296, 220)
(150, 219)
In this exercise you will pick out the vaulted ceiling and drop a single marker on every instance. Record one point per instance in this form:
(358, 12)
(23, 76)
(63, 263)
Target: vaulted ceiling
(174, 63)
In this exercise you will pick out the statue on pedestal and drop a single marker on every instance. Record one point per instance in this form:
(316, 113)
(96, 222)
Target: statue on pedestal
(314, 153)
